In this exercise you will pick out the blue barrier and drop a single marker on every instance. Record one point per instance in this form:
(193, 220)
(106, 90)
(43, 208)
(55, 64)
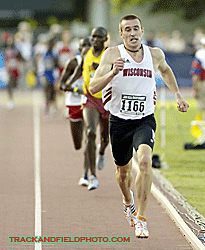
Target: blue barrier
(181, 66)
(2, 71)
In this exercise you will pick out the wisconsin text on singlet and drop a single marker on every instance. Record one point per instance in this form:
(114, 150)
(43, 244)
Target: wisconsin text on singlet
(137, 72)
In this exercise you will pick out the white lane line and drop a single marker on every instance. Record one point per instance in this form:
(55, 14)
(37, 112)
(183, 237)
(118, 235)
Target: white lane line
(37, 170)
(185, 230)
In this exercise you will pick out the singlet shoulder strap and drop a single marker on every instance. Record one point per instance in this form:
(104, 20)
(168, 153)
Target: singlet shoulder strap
(78, 58)
(148, 54)
(122, 50)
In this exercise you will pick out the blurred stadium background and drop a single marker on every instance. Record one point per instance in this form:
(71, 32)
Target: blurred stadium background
(175, 26)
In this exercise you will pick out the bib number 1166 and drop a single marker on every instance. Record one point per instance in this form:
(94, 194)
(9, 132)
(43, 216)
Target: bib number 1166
(133, 105)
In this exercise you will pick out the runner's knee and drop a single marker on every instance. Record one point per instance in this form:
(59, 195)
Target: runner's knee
(144, 162)
(120, 173)
(123, 171)
(91, 135)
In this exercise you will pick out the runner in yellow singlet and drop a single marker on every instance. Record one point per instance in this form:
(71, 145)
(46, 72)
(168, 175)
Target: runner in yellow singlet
(93, 110)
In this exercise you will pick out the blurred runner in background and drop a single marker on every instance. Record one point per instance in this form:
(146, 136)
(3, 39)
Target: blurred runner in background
(198, 77)
(13, 59)
(63, 50)
(49, 79)
(74, 90)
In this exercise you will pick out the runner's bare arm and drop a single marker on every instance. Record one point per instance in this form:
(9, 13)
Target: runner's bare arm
(170, 80)
(67, 72)
(110, 65)
(76, 75)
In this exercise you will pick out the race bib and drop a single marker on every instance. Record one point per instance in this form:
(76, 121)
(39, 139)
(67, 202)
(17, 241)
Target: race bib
(133, 105)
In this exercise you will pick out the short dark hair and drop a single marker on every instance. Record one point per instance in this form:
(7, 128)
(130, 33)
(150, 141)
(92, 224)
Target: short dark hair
(102, 30)
(129, 17)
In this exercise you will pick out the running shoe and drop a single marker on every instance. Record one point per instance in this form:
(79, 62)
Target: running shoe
(83, 181)
(130, 211)
(141, 230)
(93, 183)
(101, 160)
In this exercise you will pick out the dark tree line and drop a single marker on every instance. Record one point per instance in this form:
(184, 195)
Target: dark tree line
(189, 10)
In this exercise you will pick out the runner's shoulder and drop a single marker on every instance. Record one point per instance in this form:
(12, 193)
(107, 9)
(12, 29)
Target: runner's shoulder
(157, 53)
(111, 54)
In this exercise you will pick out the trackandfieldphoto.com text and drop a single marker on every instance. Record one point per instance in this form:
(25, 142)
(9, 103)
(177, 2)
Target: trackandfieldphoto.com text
(69, 239)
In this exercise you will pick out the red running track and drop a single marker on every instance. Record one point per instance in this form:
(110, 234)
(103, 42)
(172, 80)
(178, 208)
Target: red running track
(66, 208)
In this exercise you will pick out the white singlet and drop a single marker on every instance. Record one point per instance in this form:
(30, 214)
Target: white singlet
(200, 55)
(73, 98)
(132, 92)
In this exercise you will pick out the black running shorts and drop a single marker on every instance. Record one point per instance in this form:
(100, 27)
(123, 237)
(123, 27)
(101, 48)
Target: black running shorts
(128, 134)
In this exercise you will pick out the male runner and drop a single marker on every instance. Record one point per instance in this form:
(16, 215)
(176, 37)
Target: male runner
(126, 75)
(93, 110)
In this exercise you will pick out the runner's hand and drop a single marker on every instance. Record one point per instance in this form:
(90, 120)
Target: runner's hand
(118, 65)
(182, 105)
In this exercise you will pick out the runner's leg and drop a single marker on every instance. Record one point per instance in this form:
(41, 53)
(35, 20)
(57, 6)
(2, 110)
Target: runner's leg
(124, 179)
(91, 119)
(104, 135)
(144, 177)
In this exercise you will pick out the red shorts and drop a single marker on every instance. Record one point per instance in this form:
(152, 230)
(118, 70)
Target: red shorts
(93, 102)
(75, 113)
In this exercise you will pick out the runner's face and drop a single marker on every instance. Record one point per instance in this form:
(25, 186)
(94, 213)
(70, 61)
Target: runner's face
(131, 33)
(98, 38)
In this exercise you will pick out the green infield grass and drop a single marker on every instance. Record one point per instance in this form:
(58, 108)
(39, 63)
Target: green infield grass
(186, 168)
